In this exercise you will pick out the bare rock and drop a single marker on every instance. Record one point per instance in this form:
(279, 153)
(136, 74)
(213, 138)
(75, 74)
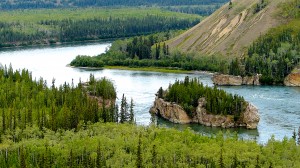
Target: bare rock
(170, 111)
(293, 79)
(231, 80)
(227, 80)
(176, 114)
(250, 117)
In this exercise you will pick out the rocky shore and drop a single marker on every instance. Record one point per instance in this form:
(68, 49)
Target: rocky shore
(176, 114)
(231, 80)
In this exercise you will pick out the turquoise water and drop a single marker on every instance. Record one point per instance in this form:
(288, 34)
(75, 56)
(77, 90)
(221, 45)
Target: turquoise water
(279, 107)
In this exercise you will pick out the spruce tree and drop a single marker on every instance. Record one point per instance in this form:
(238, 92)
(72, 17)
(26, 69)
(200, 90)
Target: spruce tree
(139, 159)
(131, 112)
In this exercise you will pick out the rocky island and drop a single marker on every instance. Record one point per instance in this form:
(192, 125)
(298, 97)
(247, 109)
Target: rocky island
(213, 107)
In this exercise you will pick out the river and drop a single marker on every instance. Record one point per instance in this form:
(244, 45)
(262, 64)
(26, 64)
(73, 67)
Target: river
(279, 106)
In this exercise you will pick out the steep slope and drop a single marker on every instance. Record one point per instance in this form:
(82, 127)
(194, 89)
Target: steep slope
(229, 30)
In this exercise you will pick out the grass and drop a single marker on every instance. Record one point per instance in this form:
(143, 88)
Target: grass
(150, 69)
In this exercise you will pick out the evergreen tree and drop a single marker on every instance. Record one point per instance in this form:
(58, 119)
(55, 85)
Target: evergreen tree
(154, 157)
(131, 112)
(22, 158)
(139, 159)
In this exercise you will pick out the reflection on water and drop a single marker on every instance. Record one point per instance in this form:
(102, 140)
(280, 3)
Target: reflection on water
(279, 107)
(208, 131)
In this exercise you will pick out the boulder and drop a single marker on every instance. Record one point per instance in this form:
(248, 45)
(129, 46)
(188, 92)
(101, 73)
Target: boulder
(227, 80)
(293, 79)
(231, 80)
(170, 111)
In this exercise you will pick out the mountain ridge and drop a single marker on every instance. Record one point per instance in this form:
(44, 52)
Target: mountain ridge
(231, 29)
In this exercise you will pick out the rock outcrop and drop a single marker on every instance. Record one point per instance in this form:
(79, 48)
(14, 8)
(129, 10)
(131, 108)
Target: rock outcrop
(293, 79)
(231, 80)
(176, 114)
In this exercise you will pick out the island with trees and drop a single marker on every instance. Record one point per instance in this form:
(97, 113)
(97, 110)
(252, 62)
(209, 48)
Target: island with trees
(189, 101)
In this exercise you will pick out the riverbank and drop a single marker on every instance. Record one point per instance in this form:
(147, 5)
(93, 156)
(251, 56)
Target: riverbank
(151, 69)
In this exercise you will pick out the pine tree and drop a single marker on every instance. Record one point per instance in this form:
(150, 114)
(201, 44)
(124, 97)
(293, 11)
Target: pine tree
(22, 158)
(221, 159)
(294, 135)
(71, 159)
(139, 159)
(154, 157)
(3, 121)
(299, 136)
(131, 112)
(124, 110)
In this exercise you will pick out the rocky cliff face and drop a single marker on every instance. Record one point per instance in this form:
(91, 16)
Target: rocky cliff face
(230, 80)
(176, 114)
(293, 79)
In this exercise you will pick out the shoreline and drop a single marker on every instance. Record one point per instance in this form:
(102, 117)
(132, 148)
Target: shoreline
(147, 69)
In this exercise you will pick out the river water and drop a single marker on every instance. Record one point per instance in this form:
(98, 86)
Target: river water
(279, 107)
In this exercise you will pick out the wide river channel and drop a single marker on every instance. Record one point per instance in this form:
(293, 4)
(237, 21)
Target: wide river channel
(279, 107)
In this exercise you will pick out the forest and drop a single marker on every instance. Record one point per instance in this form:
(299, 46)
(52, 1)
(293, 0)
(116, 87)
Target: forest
(151, 51)
(128, 145)
(187, 93)
(28, 4)
(52, 26)
(25, 102)
(273, 55)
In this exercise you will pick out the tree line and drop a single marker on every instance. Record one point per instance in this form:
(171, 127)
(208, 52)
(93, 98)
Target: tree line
(152, 51)
(127, 145)
(273, 55)
(25, 102)
(188, 92)
(28, 4)
(69, 30)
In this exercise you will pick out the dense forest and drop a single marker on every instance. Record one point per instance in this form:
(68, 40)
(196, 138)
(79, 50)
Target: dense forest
(151, 51)
(25, 102)
(187, 93)
(28, 4)
(31, 27)
(273, 55)
(125, 145)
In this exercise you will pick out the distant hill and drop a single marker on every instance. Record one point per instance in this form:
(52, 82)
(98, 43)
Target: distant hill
(231, 29)
(29, 4)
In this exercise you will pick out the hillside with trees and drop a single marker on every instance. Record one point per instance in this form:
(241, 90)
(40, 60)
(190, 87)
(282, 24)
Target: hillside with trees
(231, 29)
(27, 4)
(54, 26)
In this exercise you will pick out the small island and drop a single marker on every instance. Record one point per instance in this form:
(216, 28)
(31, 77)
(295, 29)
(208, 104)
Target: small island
(189, 101)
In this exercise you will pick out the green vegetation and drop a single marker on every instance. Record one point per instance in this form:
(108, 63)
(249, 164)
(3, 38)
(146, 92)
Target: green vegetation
(150, 51)
(30, 27)
(27, 4)
(261, 5)
(152, 69)
(25, 102)
(126, 145)
(188, 92)
(273, 55)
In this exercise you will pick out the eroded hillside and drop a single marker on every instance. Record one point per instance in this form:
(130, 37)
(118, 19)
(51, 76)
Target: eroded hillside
(231, 29)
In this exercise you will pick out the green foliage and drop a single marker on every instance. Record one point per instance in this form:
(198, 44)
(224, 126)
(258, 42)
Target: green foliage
(188, 92)
(103, 88)
(273, 55)
(25, 102)
(259, 6)
(83, 61)
(21, 4)
(116, 145)
(31, 27)
(150, 51)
